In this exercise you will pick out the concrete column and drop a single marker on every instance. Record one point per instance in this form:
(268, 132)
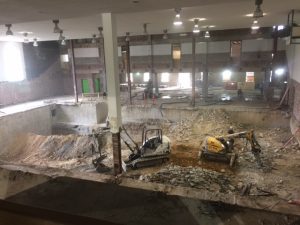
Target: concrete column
(153, 73)
(74, 70)
(205, 74)
(103, 79)
(193, 71)
(128, 70)
(113, 86)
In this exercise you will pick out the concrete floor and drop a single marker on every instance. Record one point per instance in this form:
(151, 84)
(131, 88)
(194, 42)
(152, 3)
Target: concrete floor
(122, 205)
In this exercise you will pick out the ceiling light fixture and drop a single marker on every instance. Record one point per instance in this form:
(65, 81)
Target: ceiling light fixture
(61, 37)
(94, 40)
(196, 29)
(165, 36)
(255, 25)
(258, 13)
(26, 40)
(100, 29)
(145, 29)
(63, 42)
(9, 32)
(207, 34)
(198, 18)
(56, 29)
(35, 42)
(177, 21)
(127, 37)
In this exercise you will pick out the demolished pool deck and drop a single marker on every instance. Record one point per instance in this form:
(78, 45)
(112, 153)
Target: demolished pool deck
(272, 185)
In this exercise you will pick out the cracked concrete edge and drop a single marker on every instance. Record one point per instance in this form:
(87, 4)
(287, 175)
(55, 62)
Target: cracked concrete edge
(272, 204)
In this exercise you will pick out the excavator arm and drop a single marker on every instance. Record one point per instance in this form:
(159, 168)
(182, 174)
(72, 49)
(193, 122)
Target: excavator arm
(248, 135)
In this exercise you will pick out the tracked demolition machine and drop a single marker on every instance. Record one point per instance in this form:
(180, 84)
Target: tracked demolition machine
(155, 148)
(221, 148)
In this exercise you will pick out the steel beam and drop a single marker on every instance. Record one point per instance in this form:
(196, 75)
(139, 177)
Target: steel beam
(74, 75)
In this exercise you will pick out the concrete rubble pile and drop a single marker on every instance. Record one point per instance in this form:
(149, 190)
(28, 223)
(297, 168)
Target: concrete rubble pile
(192, 177)
(63, 151)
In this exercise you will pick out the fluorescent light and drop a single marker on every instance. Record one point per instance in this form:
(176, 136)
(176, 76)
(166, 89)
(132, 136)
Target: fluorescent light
(199, 19)
(252, 15)
(280, 27)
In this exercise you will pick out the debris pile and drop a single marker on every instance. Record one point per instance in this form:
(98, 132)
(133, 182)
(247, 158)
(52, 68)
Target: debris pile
(192, 177)
(199, 124)
(65, 151)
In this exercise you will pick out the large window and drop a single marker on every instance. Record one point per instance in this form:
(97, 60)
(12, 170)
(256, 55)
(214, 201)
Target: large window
(12, 62)
(184, 80)
(165, 77)
(146, 77)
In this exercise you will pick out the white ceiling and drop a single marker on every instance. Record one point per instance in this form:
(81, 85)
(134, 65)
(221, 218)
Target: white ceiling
(80, 18)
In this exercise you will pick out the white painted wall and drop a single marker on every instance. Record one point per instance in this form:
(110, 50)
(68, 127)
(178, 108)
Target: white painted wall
(186, 48)
(163, 49)
(200, 47)
(36, 121)
(140, 50)
(257, 45)
(82, 114)
(293, 55)
(86, 52)
(219, 47)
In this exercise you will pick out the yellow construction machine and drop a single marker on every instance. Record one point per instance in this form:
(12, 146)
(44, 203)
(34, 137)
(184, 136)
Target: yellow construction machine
(220, 148)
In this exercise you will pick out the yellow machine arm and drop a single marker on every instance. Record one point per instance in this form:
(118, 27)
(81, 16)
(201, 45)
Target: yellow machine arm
(248, 135)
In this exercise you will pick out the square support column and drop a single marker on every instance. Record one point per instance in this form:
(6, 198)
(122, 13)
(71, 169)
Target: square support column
(113, 86)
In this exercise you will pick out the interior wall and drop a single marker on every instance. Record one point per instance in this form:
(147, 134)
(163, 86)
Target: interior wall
(293, 55)
(49, 84)
(16, 125)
